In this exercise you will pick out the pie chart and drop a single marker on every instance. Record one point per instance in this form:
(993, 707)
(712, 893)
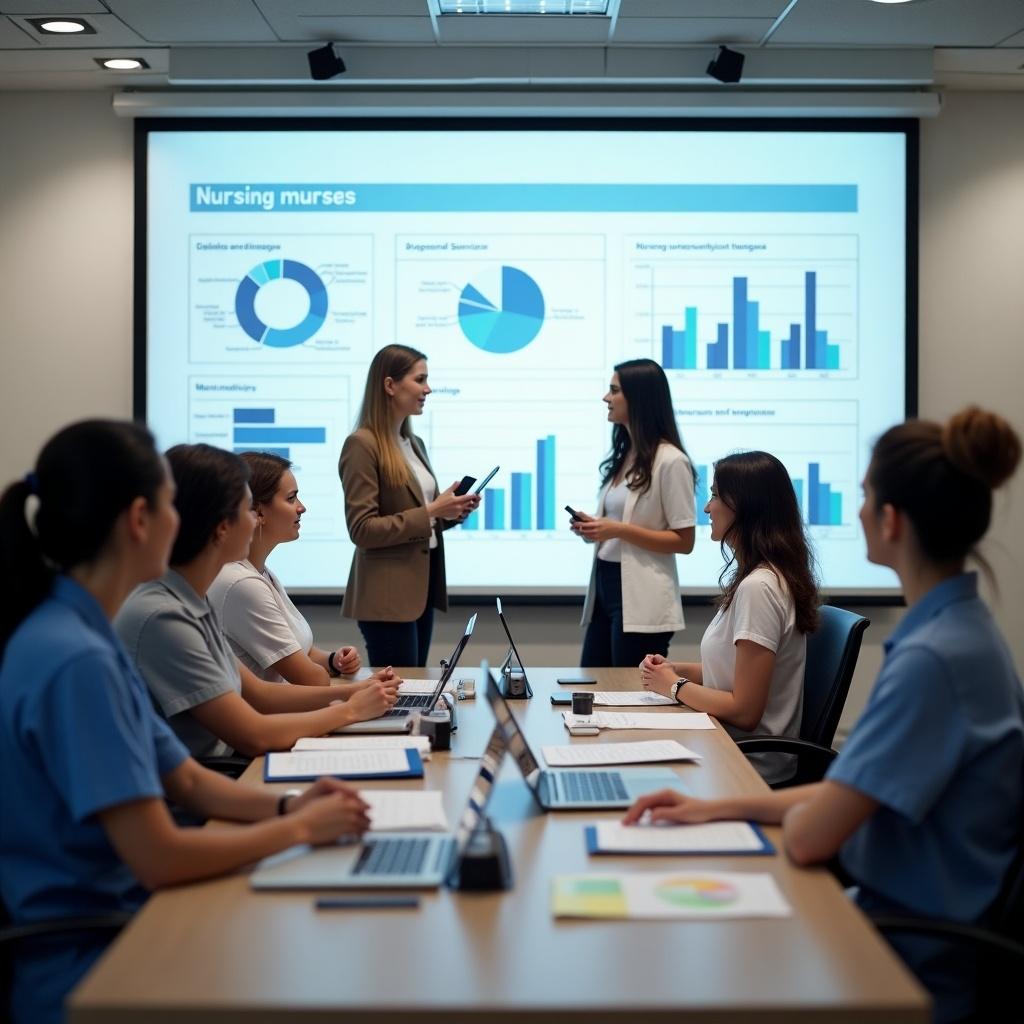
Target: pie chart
(280, 270)
(696, 892)
(501, 310)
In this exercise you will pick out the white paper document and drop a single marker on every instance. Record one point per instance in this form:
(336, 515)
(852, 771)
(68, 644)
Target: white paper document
(641, 752)
(630, 699)
(405, 810)
(712, 836)
(641, 720)
(402, 742)
(310, 764)
(422, 687)
(702, 895)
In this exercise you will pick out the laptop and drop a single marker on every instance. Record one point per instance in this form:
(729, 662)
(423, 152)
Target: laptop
(395, 860)
(518, 684)
(576, 789)
(400, 717)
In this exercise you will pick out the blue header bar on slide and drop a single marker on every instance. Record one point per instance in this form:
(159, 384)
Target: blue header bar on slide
(517, 198)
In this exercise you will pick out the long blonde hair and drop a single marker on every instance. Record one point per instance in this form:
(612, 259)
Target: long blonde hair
(393, 361)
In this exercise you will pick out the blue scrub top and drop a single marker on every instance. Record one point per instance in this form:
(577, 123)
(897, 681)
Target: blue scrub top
(78, 734)
(940, 746)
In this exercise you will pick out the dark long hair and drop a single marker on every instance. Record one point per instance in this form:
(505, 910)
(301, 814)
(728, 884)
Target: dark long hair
(265, 472)
(942, 478)
(652, 421)
(86, 475)
(210, 485)
(768, 530)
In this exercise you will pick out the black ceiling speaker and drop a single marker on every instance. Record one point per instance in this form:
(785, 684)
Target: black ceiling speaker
(324, 63)
(727, 66)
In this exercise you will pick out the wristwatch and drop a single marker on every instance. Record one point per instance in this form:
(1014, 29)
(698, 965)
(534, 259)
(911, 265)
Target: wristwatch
(282, 802)
(676, 687)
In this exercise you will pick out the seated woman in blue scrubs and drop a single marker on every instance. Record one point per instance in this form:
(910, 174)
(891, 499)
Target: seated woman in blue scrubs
(85, 762)
(925, 802)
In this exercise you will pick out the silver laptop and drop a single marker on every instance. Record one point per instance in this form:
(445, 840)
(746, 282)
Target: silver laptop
(577, 788)
(395, 860)
(401, 716)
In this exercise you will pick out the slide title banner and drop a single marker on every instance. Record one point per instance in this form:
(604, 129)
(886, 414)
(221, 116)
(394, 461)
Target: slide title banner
(515, 198)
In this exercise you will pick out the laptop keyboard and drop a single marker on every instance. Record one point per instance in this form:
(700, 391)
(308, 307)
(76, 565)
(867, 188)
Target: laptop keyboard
(413, 701)
(395, 713)
(591, 786)
(392, 857)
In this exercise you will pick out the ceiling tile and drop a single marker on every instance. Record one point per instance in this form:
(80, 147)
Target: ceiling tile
(931, 23)
(691, 30)
(194, 21)
(31, 8)
(14, 36)
(701, 8)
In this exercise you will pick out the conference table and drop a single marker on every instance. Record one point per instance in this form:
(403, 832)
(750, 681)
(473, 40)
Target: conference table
(218, 952)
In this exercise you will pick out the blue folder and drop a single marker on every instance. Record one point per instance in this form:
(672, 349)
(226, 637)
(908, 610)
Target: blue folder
(766, 848)
(413, 771)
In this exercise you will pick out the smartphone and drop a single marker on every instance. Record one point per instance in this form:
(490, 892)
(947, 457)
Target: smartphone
(366, 902)
(464, 485)
(575, 681)
(573, 512)
(486, 480)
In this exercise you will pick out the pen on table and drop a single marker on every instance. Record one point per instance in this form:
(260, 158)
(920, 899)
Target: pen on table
(366, 902)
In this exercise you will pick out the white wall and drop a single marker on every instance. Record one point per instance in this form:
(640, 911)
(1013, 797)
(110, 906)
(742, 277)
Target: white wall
(65, 297)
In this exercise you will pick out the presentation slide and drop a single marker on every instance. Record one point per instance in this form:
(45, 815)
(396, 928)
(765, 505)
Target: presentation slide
(765, 270)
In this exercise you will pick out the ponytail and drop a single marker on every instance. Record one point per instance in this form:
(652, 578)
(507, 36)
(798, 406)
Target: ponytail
(61, 515)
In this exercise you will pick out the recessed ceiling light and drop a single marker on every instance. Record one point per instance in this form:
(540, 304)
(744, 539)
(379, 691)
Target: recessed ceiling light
(523, 7)
(121, 63)
(61, 26)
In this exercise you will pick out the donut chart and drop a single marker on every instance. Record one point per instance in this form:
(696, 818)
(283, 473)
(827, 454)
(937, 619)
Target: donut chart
(697, 893)
(274, 270)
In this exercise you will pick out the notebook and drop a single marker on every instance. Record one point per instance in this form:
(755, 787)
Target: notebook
(396, 860)
(574, 790)
(399, 718)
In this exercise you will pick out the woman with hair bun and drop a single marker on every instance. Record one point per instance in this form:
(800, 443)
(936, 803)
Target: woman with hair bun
(925, 802)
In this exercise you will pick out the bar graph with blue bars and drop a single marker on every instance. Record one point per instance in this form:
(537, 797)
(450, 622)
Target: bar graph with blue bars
(805, 346)
(256, 428)
(823, 505)
(529, 504)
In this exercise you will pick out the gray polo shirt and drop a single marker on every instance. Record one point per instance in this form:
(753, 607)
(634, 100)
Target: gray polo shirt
(174, 637)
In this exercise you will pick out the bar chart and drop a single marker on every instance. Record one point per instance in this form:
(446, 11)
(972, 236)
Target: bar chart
(785, 311)
(523, 514)
(301, 418)
(820, 503)
(815, 441)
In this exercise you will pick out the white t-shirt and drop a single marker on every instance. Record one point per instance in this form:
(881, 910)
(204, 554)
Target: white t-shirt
(614, 508)
(423, 477)
(763, 611)
(259, 619)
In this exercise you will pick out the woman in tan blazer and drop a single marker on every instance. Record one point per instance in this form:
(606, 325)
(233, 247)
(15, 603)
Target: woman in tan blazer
(395, 514)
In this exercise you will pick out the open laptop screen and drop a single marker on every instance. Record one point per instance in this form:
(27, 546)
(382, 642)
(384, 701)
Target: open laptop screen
(514, 737)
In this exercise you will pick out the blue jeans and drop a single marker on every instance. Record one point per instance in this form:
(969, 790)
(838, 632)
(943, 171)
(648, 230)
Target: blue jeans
(399, 643)
(604, 643)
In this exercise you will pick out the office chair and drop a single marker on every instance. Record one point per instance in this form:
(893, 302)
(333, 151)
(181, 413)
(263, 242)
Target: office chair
(19, 938)
(832, 651)
(997, 943)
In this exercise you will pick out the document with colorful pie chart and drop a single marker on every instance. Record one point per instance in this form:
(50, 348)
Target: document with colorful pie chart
(677, 894)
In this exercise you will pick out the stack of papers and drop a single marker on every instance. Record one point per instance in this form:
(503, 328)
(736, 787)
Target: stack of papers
(421, 744)
(641, 752)
(691, 895)
(405, 810)
(641, 720)
(631, 699)
(708, 838)
(389, 763)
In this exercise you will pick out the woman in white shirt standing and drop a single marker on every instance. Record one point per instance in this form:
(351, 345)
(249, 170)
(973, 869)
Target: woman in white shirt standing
(645, 517)
(267, 633)
(751, 670)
